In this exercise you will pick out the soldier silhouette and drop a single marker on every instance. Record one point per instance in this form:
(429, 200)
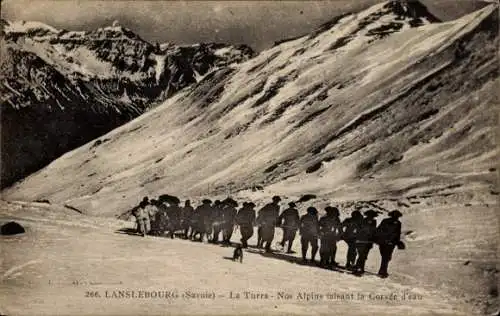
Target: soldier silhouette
(350, 229)
(365, 239)
(246, 220)
(309, 231)
(330, 229)
(388, 236)
(266, 220)
(289, 220)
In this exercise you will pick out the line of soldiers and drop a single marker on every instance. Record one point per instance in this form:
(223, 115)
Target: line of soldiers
(157, 217)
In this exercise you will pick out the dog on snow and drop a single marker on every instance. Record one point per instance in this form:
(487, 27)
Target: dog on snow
(238, 254)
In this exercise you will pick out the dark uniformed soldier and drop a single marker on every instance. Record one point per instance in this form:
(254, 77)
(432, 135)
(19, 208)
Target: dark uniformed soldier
(162, 218)
(246, 220)
(202, 218)
(215, 224)
(289, 220)
(208, 219)
(155, 218)
(330, 230)
(309, 231)
(365, 239)
(266, 220)
(174, 213)
(228, 219)
(195, 224)
(350, 229)
(187, 217)
(388, 236)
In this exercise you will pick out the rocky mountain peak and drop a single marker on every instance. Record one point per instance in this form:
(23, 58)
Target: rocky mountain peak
(378, 21)
(413, 10)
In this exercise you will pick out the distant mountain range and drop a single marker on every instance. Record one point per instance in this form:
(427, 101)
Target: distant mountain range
(60, 89)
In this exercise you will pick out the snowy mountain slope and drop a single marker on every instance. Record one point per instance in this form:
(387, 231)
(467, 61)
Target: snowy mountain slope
(415, 105)
(85, 84)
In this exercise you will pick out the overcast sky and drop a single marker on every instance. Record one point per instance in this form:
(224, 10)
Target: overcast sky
(256, 23)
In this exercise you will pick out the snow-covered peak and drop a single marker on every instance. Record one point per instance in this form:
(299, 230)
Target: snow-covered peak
(415, 10)
(27, 27)
(355, 30)
(380, 19)
(227, 51)
(114, 31)
(114, 27)
(42, 31)
(165, 46)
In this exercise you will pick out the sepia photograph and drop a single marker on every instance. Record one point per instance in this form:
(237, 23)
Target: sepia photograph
(335, 157)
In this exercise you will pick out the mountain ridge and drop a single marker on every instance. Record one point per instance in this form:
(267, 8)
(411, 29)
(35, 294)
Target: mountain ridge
(85, 84)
